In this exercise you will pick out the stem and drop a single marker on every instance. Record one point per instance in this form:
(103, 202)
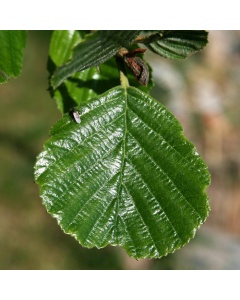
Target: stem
(122, 71)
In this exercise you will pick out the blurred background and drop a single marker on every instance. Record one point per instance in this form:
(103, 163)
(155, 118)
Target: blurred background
(204, 94)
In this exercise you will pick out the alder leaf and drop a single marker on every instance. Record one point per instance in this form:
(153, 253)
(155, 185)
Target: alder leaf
(176, 44)
(11, 53)
(125, 175)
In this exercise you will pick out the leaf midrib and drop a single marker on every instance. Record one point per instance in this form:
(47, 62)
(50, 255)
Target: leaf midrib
(115, 233)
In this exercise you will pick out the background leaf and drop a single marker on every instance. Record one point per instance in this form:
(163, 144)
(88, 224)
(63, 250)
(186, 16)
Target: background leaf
(82, 86)
(125, 176)
(98, 48)
(11, 53)
(176, 44)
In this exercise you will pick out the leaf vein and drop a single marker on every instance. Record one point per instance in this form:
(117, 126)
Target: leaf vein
(98, 218)
(150, 191)
(92, 196)
(61, 157)
(129, 235)
(141, 217)
(159, 135)
(171, 180)
(50, 184)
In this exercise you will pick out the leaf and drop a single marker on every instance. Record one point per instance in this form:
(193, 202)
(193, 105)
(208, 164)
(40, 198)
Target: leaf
(176, 44)
(98, 48)
(62, 43)
(73, 91)
(125, 176)
(11, 53)
(84, 85)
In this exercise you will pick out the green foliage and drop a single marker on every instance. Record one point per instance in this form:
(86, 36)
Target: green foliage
(99, 47)
(125, 174)
(82, 86)
(11, 53)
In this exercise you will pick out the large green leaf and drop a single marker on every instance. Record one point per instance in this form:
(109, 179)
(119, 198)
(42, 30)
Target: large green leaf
(176, 44)
(11, 53)
(82, 86)
(125, 175)
(98, 48)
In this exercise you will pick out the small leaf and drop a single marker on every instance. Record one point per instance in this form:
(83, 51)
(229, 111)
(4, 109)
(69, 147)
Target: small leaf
(98, 48)
(176, 44)
(125, 175)
(73, 91)
(11, 53)
(62, 44)
(84, 85)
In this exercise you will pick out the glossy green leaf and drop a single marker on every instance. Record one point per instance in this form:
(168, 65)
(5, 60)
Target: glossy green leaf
(98, 48)
(125, 175)
(82, 86)
(11, 53)
(176, 44)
